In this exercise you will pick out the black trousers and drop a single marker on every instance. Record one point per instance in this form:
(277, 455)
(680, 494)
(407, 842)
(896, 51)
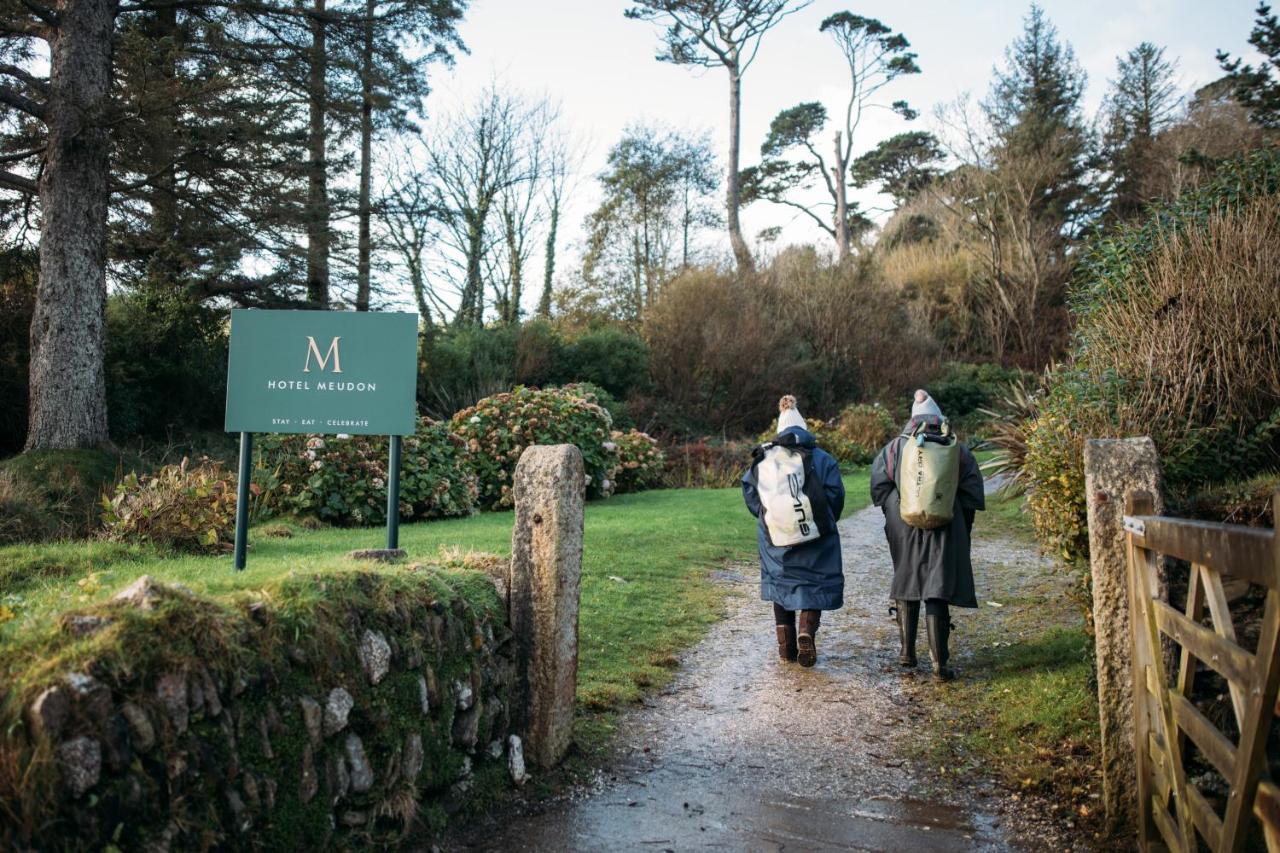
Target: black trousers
(782, 616)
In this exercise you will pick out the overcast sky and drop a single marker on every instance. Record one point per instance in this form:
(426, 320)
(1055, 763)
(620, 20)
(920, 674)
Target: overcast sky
(601, 67)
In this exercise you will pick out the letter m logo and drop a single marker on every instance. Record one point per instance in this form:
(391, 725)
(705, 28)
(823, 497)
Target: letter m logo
(323, 360)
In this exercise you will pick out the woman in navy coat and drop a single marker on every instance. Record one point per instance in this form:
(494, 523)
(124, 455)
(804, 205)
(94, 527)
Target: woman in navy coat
(806, 578)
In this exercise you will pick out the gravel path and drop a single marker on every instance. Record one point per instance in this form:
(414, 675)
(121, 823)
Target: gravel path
(743, 752)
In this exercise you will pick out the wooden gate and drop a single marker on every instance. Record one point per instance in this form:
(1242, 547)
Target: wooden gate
(1172, 808)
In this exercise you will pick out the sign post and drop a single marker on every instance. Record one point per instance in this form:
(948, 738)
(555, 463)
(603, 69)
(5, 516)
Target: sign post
(327, 372)
(393, 495)
(242, 498)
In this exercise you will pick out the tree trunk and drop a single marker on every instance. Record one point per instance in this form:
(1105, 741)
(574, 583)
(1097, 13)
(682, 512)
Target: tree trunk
(470, 312)
(838, 171)
(68, 406)
(317, 178)
(363, 211)
(733, 195)
(548, 273)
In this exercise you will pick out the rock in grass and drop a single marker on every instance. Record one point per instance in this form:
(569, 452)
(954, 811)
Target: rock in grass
(466, 728)
(48, 713)
(375, 655)
(171, 690)
(515, 760)
(309, 784)
(336, 710)
(146, 592)
(84, 624)
(466, 698)
(381, 555)
(81, 763)
(91, 696)
(142, 736)
(413, 757)
(357, 764)
(424, 696)
(312, 718)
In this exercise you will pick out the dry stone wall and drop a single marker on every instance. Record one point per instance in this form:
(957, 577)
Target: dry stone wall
(331, 713)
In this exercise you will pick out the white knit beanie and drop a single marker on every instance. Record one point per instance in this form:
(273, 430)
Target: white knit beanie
(789, 415)
(925, 405)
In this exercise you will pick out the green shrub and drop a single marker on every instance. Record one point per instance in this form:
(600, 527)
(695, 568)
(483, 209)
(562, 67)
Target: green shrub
(612, 358)
(343, 480)
(23, 515)
(498, 429)
(1176, 339)
(962, 389)
(64, 487)
(867, 427)
(640, 462)
(704, 465)
(459, 367)
(165, 365)
(184, 507)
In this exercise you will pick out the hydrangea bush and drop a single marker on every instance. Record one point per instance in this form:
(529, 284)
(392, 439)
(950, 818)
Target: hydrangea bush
(189, 508)
(497, 429)
(343, 479)
(641, 463)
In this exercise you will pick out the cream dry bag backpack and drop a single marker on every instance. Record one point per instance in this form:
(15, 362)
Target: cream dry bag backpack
(928, 476)
(793, 503)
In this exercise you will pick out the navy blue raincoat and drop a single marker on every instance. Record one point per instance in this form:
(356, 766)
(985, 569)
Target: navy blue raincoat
(809, 576)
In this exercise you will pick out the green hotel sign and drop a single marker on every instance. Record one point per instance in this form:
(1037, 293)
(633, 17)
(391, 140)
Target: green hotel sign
(322, 372)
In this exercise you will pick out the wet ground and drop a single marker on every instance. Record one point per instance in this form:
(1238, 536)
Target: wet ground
(744, 752)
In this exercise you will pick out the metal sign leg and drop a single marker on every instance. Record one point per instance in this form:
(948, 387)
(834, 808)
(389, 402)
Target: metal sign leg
(242, 498)
(393, 495)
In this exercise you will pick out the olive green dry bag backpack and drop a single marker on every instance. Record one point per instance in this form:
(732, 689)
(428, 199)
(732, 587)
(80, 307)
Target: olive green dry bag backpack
(928, 476)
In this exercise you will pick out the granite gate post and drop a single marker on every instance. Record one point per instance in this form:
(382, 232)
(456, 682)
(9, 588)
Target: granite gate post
(1112, 469)
(544, 583)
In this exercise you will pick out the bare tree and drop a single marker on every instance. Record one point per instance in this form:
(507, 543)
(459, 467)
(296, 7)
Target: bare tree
(708, 33)
(411, 219)
(563, 165)
(521, 206)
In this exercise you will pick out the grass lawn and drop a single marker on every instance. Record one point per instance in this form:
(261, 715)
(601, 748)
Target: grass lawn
(647, 592)
(1023, 709)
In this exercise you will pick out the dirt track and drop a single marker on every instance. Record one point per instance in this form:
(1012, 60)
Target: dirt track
(743, 752)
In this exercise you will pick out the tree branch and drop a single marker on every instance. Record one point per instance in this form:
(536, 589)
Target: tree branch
(21, 102)
(40, 84)
(10, 181)
(44, 13)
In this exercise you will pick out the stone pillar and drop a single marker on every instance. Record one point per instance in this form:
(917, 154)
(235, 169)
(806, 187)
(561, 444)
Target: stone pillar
(546, 571)
(1112, 469)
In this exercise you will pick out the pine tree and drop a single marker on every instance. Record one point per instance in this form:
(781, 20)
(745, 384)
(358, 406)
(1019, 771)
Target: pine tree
(1143, 101)
(1257, 87)
(1034, 108)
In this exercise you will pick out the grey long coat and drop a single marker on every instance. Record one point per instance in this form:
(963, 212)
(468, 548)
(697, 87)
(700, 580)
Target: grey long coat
(929, 563)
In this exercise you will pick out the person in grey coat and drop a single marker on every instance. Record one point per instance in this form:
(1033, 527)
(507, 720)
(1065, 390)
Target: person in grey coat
(932, 566)
(808, 577)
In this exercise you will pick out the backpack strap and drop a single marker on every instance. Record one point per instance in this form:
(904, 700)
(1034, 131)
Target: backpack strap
(816, 493)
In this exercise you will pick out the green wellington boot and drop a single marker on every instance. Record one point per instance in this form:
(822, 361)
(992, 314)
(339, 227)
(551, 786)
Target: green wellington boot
(908, 617)
(939, 628)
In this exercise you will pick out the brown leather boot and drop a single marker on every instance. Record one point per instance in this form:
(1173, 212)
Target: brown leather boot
(808, 650)
(787, 649)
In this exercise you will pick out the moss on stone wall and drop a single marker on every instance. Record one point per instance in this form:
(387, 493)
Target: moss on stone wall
(324, 710)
